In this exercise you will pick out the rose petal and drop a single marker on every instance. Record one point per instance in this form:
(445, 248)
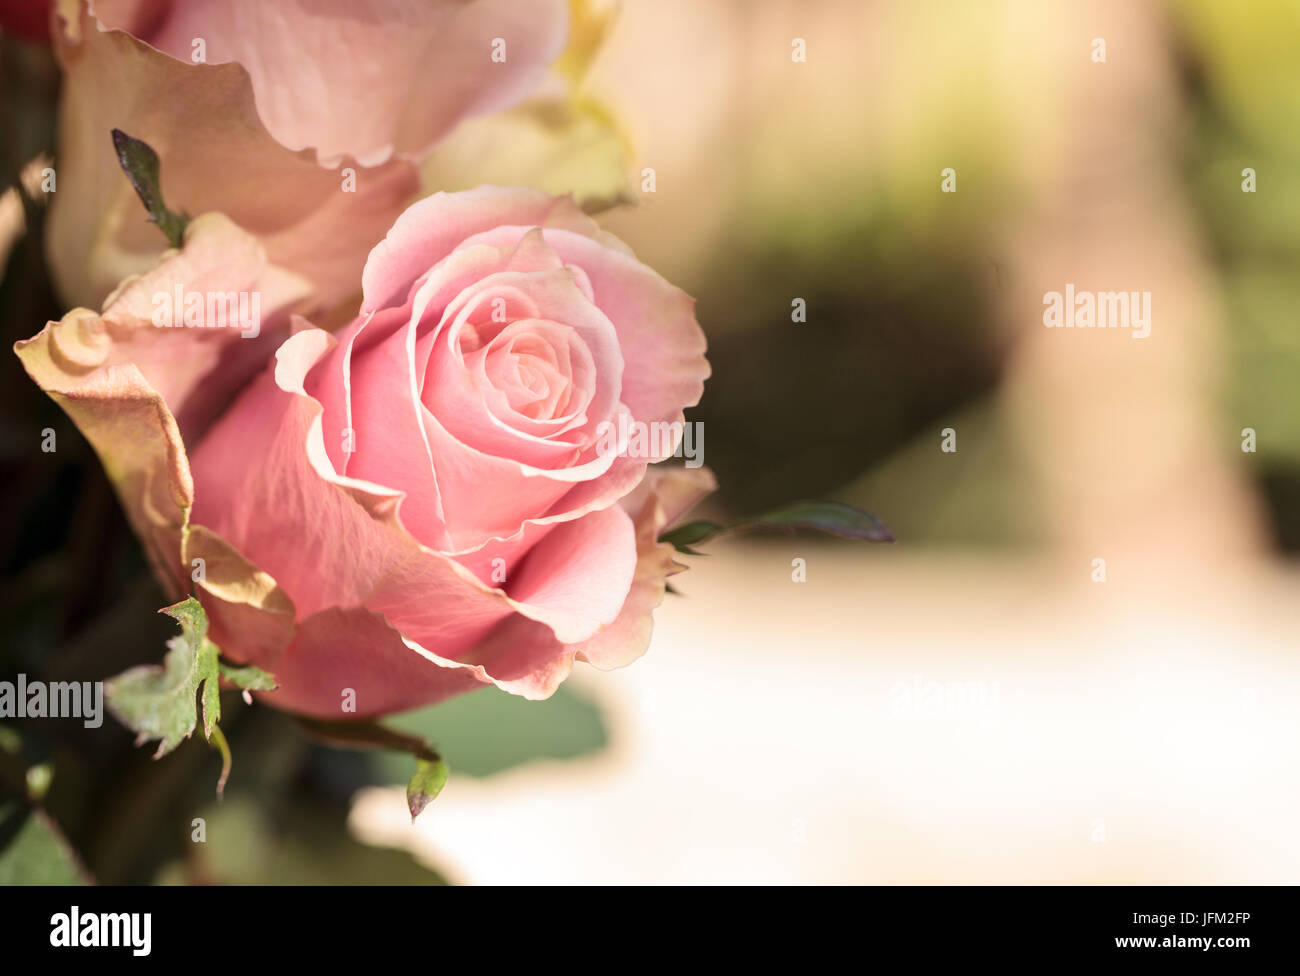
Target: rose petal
(249, 616)
(555, 578)
(129, 425)
(353, 656)
(662, 498)
(432, 228)
(364, 78)
(197, 370)
(216, 156)
(386, 418)
(532, 663)
(655, 321)
(136, 438)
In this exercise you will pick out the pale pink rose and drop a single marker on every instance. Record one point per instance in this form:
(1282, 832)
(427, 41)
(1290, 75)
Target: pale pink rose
(419, 504)
(303, 124)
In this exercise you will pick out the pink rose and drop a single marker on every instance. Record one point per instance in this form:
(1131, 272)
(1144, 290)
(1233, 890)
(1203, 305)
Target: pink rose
(420, 503)
(303, 123)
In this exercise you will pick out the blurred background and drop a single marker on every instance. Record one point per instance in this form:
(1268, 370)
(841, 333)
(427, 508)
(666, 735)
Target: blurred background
(1079, 662)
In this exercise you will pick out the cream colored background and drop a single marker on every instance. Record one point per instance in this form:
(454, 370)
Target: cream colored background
(1144, 729)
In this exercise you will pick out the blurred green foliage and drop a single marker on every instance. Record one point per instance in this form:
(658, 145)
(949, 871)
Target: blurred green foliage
(489, 731)
(1243, 82)
(32, 851)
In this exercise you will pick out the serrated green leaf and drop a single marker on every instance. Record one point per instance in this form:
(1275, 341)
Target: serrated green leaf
(140, 164)
(429, 779)
(249, 678)
(159, 702)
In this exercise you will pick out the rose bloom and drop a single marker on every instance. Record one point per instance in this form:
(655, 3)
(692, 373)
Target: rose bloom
(301, 120)
(415, 505)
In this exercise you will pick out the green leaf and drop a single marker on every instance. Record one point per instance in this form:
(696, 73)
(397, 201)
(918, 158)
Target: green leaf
(833, 518)
(159, 702)
(490, 731)
(33, 851)
(249, 678)
(218, 740)
(690, 534)
(140, 164)
(429, 779)
(431, 770)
